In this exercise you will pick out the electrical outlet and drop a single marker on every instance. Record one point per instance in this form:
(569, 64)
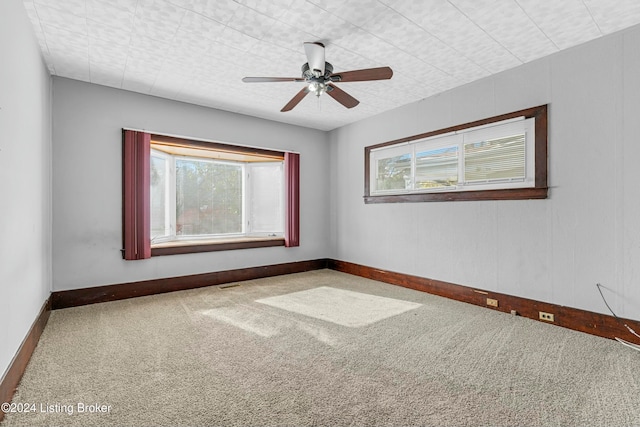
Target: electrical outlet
(546, 316)
(492, 302)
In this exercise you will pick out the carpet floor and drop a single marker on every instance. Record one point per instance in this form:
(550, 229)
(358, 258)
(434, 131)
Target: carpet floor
(320, 348)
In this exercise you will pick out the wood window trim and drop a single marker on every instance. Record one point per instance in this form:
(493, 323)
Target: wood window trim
(178, 248)
(538, 191)
(218, 146)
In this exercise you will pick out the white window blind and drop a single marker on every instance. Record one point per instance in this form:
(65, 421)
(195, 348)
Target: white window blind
(495, 159)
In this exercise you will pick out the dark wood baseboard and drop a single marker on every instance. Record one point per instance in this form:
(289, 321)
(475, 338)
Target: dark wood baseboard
(84, 296)
(13, 375)
(572, 318)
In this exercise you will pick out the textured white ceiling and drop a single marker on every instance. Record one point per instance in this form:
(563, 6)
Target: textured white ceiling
(197, 51)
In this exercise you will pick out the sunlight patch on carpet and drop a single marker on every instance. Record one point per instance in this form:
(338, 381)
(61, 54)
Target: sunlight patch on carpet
(346, 308)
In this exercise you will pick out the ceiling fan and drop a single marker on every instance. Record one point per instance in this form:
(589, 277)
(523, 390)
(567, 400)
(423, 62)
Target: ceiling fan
(319, 77)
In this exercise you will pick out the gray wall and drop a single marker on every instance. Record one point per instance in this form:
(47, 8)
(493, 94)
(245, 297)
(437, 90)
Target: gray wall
(25, 176)
(87, 184)
(552, 250)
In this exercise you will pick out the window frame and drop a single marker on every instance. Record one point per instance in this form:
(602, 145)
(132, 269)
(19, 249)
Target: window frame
(137, 220)
(539, 190)
(170, 189)
(248, 228)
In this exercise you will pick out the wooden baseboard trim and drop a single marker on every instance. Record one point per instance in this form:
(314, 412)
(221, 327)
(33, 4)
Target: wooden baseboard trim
(568, 317)
(14, 372)
(572, 318)
(84, 296)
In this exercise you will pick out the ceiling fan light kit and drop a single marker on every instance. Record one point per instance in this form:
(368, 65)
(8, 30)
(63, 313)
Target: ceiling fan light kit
(317, 81)
(319, 77)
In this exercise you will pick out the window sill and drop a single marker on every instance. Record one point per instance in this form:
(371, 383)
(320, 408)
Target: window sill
(177, 247)
(508, 194)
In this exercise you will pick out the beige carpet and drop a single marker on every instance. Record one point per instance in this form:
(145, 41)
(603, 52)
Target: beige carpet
(263, 353)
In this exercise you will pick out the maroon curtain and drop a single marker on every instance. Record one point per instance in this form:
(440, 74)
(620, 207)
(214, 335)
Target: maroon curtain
(136, 151)
(292, 179)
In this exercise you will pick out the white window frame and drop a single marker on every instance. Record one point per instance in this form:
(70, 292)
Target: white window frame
(170, 196)
(247, 232)
(248, 192)
(490, 131)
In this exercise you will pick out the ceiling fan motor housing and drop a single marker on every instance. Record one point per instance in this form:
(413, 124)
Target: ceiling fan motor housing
(310, 76)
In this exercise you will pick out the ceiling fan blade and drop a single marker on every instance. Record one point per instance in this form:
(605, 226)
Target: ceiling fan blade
(295, 100)
(271, 79)
(342, 97)
(315, 56)
(381, 73)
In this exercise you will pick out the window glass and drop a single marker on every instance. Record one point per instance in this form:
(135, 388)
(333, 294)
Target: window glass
(437, 168)
(394, 173)
(267, 198)
(160, 221)
(208, 197)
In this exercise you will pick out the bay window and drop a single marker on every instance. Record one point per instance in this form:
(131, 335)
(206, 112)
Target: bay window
(208, 196)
